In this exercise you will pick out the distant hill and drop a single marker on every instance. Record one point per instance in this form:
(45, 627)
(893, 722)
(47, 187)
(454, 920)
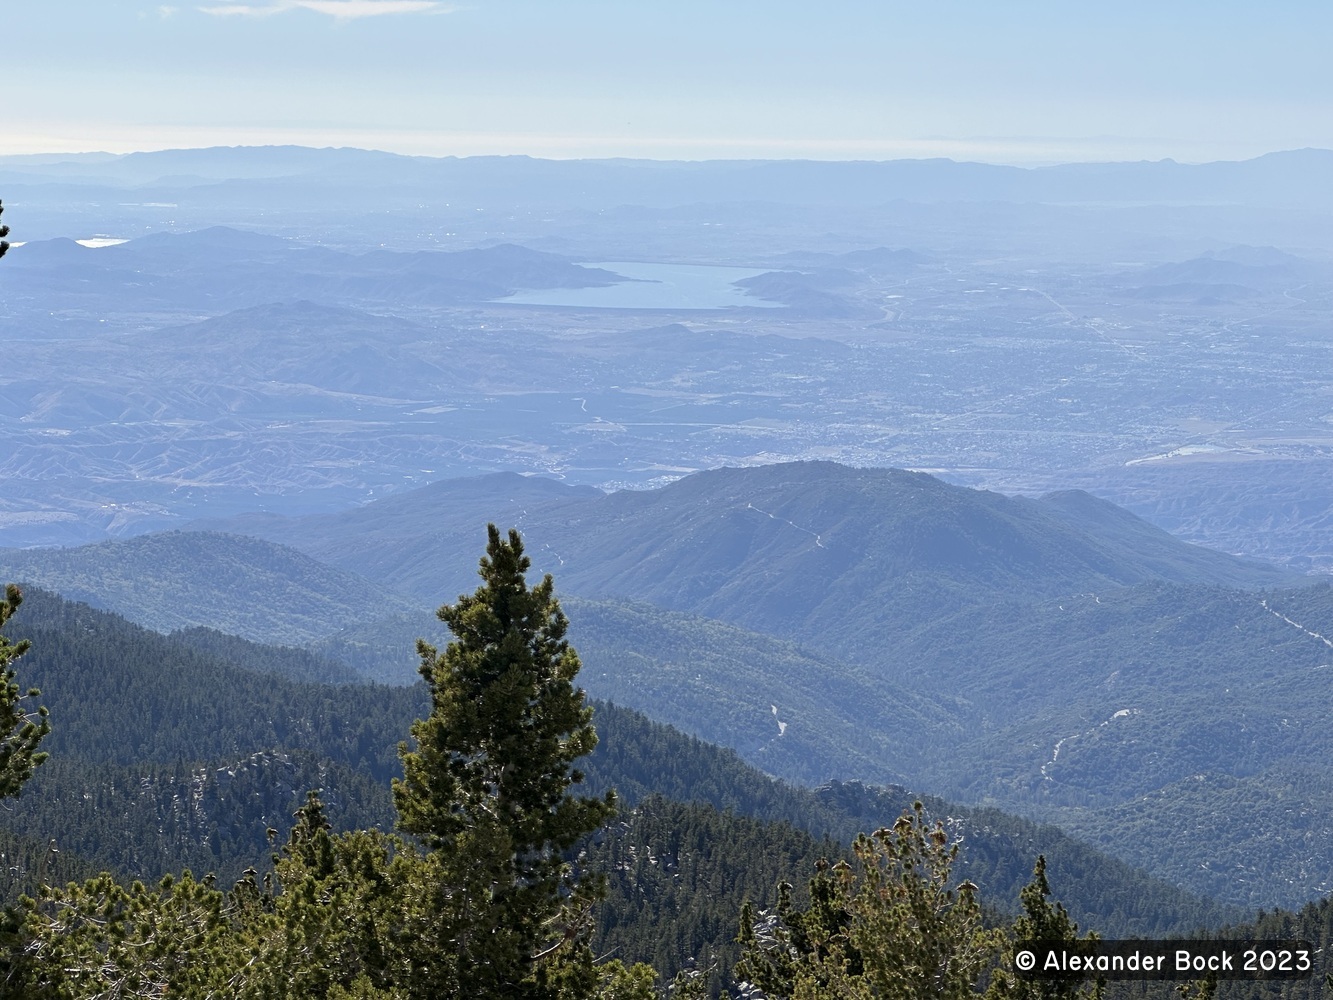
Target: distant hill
(430, 537)
(1215, 278)
(236, 584)
(829, 555)
(221, 269)
(1280, 507)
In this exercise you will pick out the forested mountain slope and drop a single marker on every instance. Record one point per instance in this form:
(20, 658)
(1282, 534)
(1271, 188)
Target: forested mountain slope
(214, 754)
(802, 715)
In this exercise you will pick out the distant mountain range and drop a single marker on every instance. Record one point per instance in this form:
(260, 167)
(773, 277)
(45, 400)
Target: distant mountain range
(168, 581)
(1294, 178)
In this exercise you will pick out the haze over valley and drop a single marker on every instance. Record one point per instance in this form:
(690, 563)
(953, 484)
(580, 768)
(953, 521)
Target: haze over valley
(588, 501)
(1006, 488)
(1154, 336)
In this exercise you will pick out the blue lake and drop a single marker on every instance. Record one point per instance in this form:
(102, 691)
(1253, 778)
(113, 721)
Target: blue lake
(656, 286)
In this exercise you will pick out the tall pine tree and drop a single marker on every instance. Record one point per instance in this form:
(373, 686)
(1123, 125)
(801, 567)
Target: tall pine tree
(20, 731)
(21, 727)
(1043, 921)
(486, 790)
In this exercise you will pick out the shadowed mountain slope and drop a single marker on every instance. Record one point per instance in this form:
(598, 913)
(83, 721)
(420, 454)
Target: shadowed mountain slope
(178, 580)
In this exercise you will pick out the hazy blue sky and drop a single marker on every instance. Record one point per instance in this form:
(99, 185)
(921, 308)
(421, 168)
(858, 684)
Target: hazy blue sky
(1014, 81)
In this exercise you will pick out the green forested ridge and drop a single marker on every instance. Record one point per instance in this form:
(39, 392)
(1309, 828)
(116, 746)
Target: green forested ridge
(100, 670)
(97, 671)
(167, 756)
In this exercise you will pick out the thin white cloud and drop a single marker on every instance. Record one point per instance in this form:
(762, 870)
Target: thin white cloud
(347, 9)
(241, 10)
(340, 10)
(166, 10)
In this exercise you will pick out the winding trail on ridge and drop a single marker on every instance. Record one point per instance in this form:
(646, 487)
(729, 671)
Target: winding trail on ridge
(818, 541)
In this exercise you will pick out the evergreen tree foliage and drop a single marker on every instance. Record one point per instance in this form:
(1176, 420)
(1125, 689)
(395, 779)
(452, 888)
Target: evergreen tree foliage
(328, 923)
(1045, 921)
(21, 727)
(102, 939)
(320, 925)
(894, 926)
(618, 981)
(486, 787)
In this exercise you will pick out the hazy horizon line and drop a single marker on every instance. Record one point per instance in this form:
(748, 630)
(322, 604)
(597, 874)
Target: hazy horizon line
(47, 157)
